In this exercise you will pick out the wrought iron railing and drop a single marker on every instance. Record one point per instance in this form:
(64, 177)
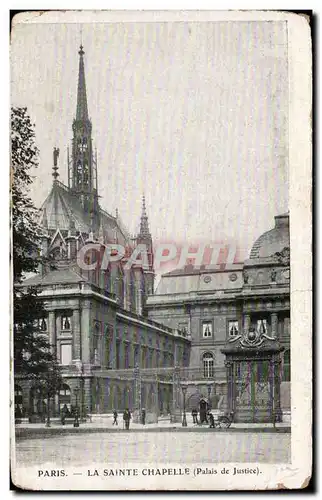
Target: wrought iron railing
(167, 373)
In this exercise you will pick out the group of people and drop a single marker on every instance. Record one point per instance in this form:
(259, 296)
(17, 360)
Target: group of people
(206, 417)
(126, 418)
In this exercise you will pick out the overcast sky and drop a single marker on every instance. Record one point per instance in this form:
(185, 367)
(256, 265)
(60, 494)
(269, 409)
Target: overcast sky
(194, 114)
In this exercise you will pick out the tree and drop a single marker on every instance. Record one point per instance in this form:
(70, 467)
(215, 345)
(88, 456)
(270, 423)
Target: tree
(33, 356)
(25, 230)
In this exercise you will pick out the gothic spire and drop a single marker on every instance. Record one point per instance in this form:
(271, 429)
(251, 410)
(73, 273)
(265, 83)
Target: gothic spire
(144, 224)
(81, 110)
(83, 169)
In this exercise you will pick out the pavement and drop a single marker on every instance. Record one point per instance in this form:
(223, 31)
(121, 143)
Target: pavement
(105, 424)
(84, 450)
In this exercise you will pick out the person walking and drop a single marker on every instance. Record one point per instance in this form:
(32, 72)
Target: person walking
(143, 416)
(211, 420)
(64, 413)
(194, 414)
(127, 417)
(115, 418)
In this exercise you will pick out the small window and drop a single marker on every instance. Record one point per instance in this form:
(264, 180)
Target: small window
(43, 324)
(207, 329)
(65, 322)
(233, 329)
(66, 354)
(261, 326)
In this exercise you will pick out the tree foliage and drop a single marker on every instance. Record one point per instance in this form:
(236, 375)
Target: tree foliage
(33, 356)
(25, 230)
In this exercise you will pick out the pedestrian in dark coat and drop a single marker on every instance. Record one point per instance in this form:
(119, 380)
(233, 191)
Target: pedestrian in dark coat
(143, 416)
(211, 420)
(194, 414)
(127, 417)
(64, 413)
(115, 417)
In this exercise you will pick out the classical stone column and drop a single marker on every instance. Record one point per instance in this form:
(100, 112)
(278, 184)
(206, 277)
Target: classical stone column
(274, 324)
(52, 329)
(85, 327)
(132, 356)
(246, 322)
(176, 390)
(176, 355)
(230, 385)
(76, 335)
(153, 358)
(137, 395)
(143, 357)
(277, 388)
(158, 358)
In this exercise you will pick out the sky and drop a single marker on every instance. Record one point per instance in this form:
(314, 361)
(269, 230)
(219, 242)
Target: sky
(192, 114)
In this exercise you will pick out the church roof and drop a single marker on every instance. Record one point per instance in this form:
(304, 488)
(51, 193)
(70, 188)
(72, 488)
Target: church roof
(62, 205)
(55, 276)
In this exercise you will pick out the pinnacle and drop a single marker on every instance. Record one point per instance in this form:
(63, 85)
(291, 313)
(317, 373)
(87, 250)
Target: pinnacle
(144, 224)
(81, 110)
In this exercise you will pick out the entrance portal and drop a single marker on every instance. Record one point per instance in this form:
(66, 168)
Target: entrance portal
(253, 377)
(253, 390)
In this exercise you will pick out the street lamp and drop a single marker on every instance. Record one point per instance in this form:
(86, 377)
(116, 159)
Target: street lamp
(76, 421)
(184, 419)
(209, 391)
(48, 409)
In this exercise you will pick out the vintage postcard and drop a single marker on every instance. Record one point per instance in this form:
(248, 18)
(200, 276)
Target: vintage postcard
(161, 250)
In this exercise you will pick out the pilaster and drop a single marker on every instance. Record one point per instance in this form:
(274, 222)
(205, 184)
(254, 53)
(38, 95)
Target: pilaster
(76, 335)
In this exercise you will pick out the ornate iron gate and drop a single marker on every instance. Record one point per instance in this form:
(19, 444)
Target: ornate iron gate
(253, 390)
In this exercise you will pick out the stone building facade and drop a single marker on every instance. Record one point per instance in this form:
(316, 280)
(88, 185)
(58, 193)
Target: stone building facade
(95, 318)
(220, 334)
(216, 307)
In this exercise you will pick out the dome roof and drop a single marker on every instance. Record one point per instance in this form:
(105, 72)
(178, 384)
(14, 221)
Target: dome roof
(274, 240)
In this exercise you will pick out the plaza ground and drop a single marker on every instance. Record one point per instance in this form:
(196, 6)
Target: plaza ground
(77, 450)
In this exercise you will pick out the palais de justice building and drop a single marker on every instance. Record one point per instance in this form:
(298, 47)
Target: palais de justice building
(220, 336)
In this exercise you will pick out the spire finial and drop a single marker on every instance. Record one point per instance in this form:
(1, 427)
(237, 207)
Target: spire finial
(144, 224)
(81, 110)
(55, 173)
